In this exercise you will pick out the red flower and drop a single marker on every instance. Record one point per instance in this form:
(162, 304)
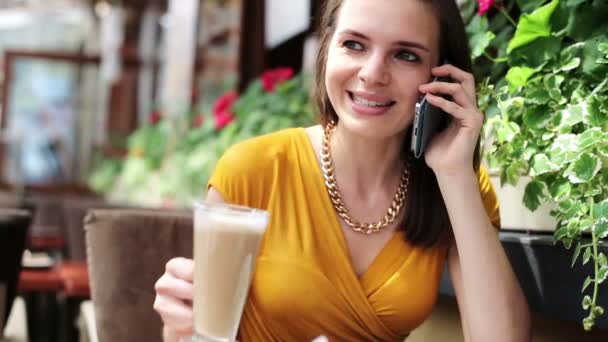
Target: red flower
(271, 78)
(223, 119)
(225, 102)
(484, 6)
(198, 120)
(154, 117)
(222, 109)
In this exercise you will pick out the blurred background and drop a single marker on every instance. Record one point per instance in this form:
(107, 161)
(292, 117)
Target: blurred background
(126, 105)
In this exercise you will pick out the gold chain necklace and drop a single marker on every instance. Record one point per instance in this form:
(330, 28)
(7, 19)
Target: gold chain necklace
(336, 197)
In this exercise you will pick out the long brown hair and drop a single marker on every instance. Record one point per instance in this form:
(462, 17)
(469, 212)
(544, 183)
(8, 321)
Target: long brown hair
(426, 220)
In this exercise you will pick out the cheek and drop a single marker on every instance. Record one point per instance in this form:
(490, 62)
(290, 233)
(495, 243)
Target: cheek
(335, 75)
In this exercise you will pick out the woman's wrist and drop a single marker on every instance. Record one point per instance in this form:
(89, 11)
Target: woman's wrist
(170, 335)
(455, 176)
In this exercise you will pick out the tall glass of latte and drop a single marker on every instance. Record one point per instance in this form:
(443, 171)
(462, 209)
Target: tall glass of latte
(227, 240)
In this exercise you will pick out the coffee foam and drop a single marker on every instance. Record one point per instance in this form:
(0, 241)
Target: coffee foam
(231, 221)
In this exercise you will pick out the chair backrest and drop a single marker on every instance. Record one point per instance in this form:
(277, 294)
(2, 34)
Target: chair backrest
(127, 250)
(74, 211)
(9, 199)
(47, 219)
(14, 224)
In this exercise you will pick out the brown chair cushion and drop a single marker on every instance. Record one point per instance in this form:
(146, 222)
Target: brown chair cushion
(127, 251)
(14, 224)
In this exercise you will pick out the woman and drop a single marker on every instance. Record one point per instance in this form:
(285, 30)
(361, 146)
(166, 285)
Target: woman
(320, 270)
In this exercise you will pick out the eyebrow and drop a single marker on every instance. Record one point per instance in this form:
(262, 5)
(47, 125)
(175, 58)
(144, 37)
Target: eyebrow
(403, 43)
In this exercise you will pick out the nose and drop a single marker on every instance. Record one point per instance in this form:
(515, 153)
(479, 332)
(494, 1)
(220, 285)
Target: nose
(374, 70)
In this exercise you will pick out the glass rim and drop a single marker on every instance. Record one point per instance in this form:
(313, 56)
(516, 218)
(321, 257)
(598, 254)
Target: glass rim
(233, 209)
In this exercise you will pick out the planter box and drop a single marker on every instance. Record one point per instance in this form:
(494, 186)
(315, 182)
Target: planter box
(513, 213)
(552, 288)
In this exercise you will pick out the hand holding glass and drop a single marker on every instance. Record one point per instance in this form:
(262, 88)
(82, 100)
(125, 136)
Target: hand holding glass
(227, 240)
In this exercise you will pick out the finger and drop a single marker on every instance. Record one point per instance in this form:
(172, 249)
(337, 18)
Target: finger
(174, 313)
(175, 287)
(450, 107)
(181, 268)
(467, 79)
(455, 90)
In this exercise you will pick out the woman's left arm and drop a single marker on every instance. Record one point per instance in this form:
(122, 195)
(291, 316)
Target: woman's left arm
(492, 304)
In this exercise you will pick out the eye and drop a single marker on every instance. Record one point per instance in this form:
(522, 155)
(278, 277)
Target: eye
(352, 45)
(407, 56)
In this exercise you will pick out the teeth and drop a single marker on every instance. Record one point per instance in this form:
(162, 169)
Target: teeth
(364, 102)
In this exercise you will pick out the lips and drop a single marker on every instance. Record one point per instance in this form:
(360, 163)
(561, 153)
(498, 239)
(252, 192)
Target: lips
(369, 104)
(370, 100)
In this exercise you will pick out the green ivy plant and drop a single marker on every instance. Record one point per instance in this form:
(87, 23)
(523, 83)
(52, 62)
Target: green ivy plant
(552, 125)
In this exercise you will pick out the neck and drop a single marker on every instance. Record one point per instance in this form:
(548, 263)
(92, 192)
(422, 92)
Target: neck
(369, 167)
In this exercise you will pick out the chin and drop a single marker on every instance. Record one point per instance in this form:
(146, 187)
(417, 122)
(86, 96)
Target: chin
(375, 127)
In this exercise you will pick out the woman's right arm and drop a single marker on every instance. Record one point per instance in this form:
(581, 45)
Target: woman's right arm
(175, 290)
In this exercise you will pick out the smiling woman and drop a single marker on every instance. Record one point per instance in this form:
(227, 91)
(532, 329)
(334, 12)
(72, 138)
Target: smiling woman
(361, 230)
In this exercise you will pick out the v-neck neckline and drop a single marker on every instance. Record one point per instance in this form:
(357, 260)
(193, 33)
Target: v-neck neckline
(365, 278)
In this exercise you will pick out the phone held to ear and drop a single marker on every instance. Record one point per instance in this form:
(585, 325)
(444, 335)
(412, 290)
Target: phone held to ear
(428, 120)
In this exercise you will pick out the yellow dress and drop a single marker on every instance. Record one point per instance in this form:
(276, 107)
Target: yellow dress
(304, 284)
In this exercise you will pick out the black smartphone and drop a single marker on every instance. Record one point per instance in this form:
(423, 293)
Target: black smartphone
(428, 120)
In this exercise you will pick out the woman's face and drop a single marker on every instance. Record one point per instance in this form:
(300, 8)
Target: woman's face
(381, 51)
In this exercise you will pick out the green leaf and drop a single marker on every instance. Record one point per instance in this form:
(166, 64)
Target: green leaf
(564, 149)
(593, 115)
(480, 36)
(571, 65)
(600, 210)
(506, 132)
(534, 193)
(586, 21)
(584, 169)
(602, 274)
(586, 256)
(537, 94)
(517, 77)
(529, 152)
(588, 323)
(590, 138)
(536, 54)
(537, 117)
(602, 260)
(553, 83)
(598, 311)
(590, 55)
(601, 229)
(577, 251)
(566, 205)
(585, 224)
(532, 26)
(586, 300)
(513, 172)
(560, 233)
(603, 151)
(541, 164)
(573, 225)
(572, 115)
(560, 189)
